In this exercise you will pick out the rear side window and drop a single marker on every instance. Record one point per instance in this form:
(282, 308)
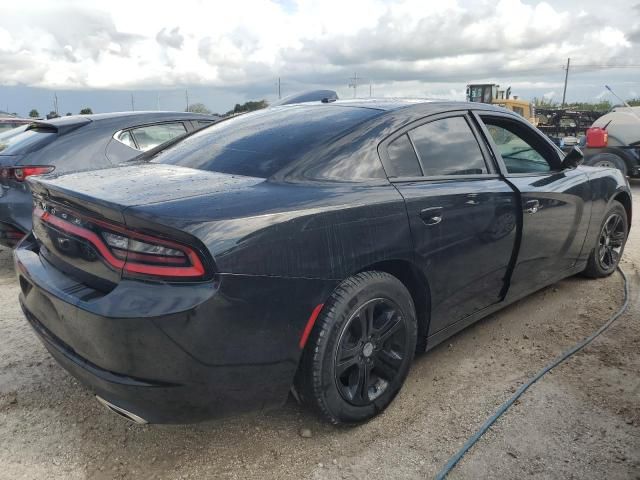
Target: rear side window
(403, 161)
(263, 143)
(153, 135)
(126, 138)
(448, 147)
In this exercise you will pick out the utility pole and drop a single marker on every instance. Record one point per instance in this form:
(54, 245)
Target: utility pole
(157, 101)
(566, 77)
(55, 103)
(186, 94)
(353, 83)
(279, 92)
(133, 104)
(370, 90)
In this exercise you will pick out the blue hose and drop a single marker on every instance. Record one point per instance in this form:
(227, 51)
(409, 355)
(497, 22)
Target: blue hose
(505, 406)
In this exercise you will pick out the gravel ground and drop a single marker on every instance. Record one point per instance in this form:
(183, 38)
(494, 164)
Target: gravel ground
(580, 421)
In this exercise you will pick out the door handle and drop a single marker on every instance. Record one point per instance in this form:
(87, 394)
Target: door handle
(431, 216)
(532, 206)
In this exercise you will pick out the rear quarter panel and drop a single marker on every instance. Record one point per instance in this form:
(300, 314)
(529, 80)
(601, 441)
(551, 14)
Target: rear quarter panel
(318, 230)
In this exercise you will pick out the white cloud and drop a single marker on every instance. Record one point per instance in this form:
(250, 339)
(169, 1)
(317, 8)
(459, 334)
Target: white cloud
(402, 47)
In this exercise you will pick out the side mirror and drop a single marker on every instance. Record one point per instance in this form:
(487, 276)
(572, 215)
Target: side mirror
(572, 159)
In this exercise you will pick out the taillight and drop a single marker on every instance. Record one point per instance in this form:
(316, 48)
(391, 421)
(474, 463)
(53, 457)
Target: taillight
(133, 252)
(20, 174)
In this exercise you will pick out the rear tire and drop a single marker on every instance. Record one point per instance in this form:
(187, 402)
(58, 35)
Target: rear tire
(609, 247)
(360, 350)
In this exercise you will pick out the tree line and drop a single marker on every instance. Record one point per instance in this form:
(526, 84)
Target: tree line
(601, 106)
(249, 106)
(35, 114)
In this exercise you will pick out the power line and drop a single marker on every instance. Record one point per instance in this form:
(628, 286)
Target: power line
(594, 65)
(354, 82)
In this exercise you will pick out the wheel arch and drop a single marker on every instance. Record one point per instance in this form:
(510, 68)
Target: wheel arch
(416, 282)
(625, 199)
(621, 153)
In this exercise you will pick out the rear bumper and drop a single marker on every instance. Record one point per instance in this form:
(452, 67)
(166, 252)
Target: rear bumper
(234, 349)
(211, 392)
(10, 235)
(15, 214)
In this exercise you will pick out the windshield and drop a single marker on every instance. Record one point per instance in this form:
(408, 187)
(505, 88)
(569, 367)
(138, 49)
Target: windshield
(4, 134)
(19, 141)
(261, 143)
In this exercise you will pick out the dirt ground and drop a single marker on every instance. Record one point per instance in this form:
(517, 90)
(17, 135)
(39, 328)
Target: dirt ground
(580, 421)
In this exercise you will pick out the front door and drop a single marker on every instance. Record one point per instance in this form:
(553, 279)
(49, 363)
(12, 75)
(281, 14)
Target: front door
(554, 203)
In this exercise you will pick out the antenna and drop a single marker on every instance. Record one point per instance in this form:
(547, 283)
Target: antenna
(133, 104)
(623, 102)
(186, 94)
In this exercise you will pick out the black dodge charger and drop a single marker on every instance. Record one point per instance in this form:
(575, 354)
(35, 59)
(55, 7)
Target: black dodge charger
(310, 247)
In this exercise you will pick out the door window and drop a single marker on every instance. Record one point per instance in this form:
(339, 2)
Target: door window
(403, 161)
(448, 147)
(153, 135)
(125, 137)
(519, 153)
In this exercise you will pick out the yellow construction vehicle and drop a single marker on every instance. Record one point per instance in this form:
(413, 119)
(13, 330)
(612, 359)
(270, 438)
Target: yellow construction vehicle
(491, 93)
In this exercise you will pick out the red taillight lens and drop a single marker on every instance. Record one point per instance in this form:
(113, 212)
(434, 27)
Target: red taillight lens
(133, 252)
(20, 174)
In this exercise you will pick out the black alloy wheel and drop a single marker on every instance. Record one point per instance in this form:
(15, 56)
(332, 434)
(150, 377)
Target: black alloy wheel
(370, 351)
(360, 349)
(611, 241)
(609, 245)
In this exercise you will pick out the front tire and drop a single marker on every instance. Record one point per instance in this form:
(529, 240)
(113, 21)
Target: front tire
(610, 243)
(360, 350)
(609, 160)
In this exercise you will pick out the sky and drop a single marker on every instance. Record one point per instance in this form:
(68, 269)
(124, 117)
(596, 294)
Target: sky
(117, 55)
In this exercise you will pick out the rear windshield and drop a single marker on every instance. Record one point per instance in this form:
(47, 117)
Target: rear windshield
(25, 142)
(262, 143)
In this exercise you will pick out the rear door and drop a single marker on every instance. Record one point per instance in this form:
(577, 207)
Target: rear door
(461, 213)
(555, 202)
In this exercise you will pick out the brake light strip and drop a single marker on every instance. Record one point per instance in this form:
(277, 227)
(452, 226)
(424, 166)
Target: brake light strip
(195, 270)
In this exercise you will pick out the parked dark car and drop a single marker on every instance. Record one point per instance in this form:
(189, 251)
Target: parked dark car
(81, 142)
(9, 121)
(614, 141)
(313, 246)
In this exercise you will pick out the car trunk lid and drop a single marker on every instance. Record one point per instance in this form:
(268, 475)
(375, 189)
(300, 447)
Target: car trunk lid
(72, 213)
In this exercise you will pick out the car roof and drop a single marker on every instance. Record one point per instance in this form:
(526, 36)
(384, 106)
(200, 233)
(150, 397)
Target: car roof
(392, 104)
(146, 114)
(134, 116)
(119, 120)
